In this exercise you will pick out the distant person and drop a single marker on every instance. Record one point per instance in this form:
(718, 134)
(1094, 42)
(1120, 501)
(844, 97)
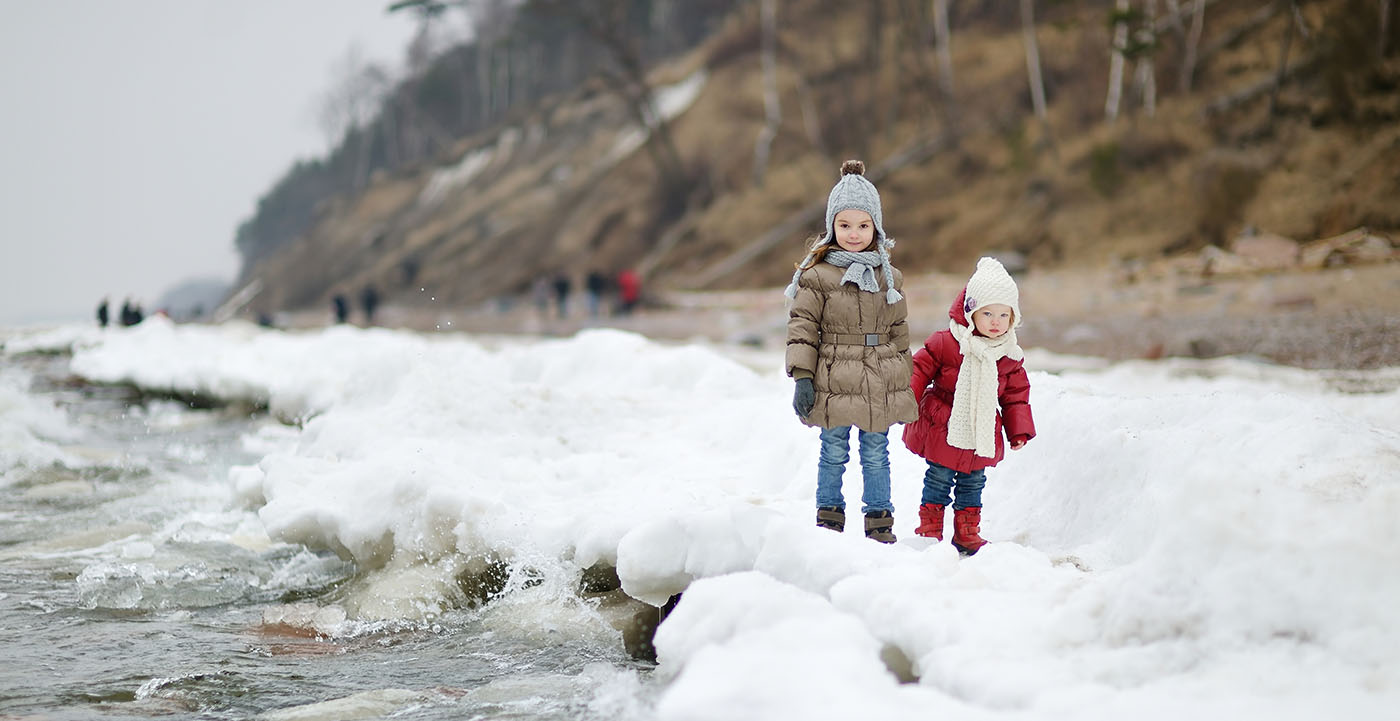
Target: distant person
(539, 294)
(595, 284)
(971, 385)
(629, 290)
(562, 285)
(131, 314)
(102, 314)
(369, 301)
(340, 307)
(848, 350)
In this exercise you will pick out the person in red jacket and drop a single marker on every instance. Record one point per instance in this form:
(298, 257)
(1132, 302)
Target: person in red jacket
(970, 383)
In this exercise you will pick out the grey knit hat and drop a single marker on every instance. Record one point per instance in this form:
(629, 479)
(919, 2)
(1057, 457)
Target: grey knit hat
(853, 192)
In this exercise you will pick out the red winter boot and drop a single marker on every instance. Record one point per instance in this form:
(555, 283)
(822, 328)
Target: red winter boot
(966, 523)
(930, 521)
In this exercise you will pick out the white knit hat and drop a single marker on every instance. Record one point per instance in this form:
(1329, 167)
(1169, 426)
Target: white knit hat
(989, 285)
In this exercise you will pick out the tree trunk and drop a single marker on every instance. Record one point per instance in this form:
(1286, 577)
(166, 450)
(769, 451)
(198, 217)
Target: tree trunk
(364, 140)
(896, 96)
(811, 120)
(875, 69)
(1385, 26)
(772, 110)
(1173, 18)
(1193, 42)
(1283, 58)
(1146, 66)
(1033, 60)
(945, 48)
(484, 78)
(1115, 64)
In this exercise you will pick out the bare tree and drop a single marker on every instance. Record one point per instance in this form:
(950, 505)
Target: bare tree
(811, 120)
(606, 21)
(1385, 26)
(348, 108)
(1033, 67)
(355, 93)
(772, 111)
(943, 38)
(1294, 19)
(1145, 42)
(409, 133)
(490, 20)
(1193, 43)
(1115, 63)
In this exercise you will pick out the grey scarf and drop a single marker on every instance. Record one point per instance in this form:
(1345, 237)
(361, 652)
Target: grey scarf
(860, 267)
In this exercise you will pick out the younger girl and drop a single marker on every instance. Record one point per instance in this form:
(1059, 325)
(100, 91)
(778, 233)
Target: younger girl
(848, 350)
(961, 377)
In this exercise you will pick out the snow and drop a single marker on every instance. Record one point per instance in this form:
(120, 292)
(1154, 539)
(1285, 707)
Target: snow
(1182, 538)
(670, 101)
(31, 429)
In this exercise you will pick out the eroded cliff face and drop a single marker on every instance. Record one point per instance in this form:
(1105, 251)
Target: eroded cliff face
(570, 186)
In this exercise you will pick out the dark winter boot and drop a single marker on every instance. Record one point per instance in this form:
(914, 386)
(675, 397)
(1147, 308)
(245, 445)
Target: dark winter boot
(879, 525)
(831, 517)
(967, 523)
(930, 521)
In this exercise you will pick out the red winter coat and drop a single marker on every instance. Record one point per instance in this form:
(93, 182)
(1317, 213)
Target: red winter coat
(935, 377)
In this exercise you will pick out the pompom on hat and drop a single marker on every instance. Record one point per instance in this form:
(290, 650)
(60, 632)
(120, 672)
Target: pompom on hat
(991, 284)
(853, 192)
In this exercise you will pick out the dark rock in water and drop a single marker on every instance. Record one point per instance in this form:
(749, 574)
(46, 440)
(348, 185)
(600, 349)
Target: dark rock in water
(898, 663)
(601, 577)
(1204, 348)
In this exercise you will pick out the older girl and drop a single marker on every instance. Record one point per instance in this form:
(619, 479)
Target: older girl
(848, 350)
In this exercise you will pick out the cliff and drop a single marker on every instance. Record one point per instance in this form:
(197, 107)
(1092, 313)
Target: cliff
(569, 185)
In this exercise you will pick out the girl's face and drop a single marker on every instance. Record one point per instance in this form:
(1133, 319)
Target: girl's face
(855, 230)
(992, 320)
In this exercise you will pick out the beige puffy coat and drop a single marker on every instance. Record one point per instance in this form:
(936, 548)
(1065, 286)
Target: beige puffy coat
(859, 385)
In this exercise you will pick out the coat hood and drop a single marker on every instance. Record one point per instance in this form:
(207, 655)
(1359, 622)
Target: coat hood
(955, 311)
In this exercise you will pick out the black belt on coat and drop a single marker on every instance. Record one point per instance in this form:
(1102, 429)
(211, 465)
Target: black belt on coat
(856, 338)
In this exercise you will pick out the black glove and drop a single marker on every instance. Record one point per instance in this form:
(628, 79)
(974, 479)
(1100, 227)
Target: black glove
(804, 397)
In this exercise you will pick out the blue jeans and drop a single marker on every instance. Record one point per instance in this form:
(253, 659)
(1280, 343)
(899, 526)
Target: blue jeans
(874, 466)
(966, 487)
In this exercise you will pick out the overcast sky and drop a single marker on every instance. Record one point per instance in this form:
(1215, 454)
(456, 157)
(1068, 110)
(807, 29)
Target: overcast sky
(136, 135)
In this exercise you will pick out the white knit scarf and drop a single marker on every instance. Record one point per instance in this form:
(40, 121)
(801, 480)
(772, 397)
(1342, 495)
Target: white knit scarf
(972, 424)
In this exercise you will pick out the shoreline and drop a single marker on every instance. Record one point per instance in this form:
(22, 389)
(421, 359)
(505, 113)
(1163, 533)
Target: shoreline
(1336, 319)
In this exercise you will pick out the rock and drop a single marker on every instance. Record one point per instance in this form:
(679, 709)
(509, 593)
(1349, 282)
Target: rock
(1266, 251)
(1350, 248)
(1204, 348)
(1216, 261)
(1295, 302)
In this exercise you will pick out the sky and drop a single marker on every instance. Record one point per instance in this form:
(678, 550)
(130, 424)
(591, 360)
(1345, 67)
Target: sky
(1182, 539)
(137, 135)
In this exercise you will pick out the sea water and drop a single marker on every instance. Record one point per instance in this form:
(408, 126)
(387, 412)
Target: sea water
(134, 585)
